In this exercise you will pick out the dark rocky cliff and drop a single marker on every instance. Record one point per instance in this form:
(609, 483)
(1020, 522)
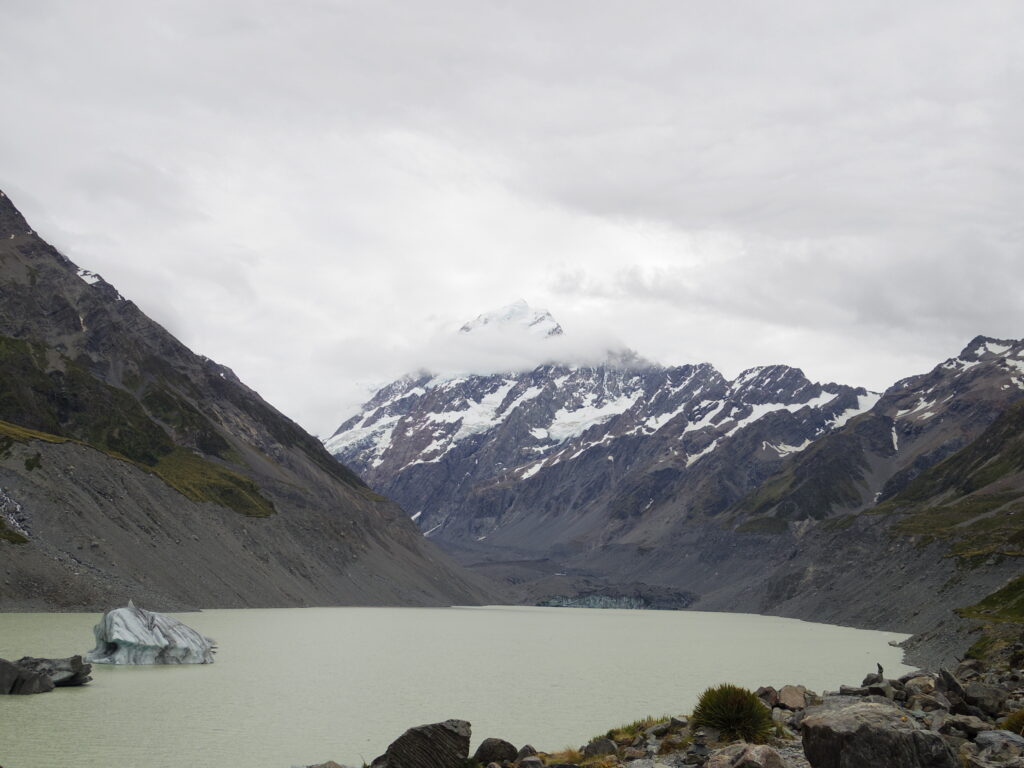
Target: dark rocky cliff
(131, 467)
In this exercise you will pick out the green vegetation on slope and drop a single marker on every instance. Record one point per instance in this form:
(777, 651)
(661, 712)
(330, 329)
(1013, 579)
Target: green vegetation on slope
(975, 498)
(187, 421)
(995, 455)
(49, 403)
(1006, 604)
(287, 432)
(811, 485)
(6, 534)
(202, 480)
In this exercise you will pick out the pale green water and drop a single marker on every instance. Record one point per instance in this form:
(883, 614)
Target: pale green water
(305, 685)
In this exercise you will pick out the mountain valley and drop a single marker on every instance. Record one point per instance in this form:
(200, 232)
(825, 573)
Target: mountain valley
(632, 484)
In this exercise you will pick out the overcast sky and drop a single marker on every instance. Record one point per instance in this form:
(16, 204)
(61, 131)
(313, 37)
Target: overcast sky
(317, 192)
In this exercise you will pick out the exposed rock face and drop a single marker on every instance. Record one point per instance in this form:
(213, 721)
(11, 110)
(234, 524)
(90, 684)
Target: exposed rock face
(439, 745)
(63, 672)
(135, 636)
(18, 680)
(867, 733)
(222, 501)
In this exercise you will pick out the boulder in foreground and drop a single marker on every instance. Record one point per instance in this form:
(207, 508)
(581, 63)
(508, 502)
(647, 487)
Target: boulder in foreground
(135, 636)
(870, 733)
(439, 745)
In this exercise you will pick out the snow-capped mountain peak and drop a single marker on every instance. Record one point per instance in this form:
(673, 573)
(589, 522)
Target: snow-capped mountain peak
(518, 315)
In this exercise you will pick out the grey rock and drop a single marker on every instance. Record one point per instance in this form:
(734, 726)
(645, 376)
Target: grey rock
(530, 761)
(526, 750)
(600, 746)
(846, 690)
(969, 725)
(63, 672)
(882, 689)
(928, 703)
(493, 750)
(870, 734)
(658, 730)
(999, 739)
(746, 756)
(17, 680)
(948, 682)
(696, 754)
(961, 707)
(768, 695)
(990, 699)
(792, 697)
(707, 734)
(437, 745)
(920, 684)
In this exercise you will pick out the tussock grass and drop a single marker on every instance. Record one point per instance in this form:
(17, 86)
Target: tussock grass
(567, 755)
(626, 732)
(734, 711)
(1014, 722)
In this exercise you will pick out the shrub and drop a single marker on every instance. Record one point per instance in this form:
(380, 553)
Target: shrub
(1014, 722)
(734, 711)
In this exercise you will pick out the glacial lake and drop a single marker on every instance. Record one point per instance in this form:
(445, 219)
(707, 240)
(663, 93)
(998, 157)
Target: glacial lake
(301, 686)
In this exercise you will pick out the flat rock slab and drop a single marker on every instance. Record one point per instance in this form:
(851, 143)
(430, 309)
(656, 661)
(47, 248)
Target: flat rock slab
(871, 734)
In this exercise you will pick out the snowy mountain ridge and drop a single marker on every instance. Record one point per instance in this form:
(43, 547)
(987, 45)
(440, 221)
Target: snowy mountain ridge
(439, 444)
(516, 316)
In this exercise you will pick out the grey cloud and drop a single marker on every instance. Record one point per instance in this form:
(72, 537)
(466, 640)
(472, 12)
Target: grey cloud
(310, 191)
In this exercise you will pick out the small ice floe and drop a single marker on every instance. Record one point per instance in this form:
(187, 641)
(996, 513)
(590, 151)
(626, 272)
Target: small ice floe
(135, 636)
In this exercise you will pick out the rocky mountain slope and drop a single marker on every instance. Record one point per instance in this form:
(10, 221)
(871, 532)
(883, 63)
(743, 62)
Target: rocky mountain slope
(131, 467)
(640, 484)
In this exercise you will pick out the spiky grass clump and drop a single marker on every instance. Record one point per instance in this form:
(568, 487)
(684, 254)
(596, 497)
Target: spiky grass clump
(736, 712)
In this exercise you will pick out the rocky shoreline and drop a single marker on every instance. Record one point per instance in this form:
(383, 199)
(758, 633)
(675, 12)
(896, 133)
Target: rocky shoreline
(968, 717)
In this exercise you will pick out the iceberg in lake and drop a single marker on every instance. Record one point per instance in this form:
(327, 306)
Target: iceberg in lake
(135, 636)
